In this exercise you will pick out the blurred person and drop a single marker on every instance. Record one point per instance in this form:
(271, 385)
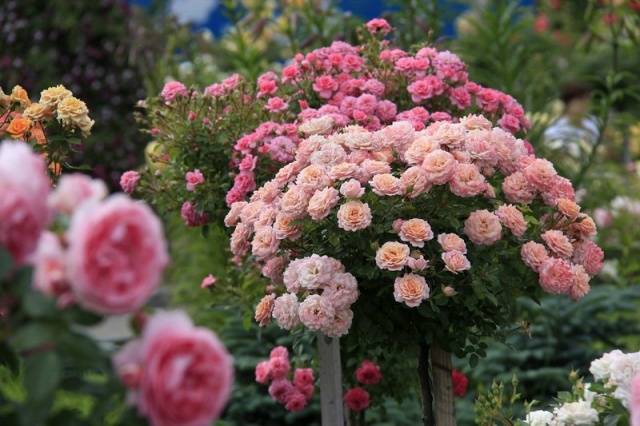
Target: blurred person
(571, 137)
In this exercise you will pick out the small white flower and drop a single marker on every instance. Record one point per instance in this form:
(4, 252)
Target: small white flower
(578, 413)
(539, 418)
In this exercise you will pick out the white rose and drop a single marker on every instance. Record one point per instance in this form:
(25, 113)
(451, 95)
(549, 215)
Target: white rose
(601, 367)
(539, 418)
(578, 413)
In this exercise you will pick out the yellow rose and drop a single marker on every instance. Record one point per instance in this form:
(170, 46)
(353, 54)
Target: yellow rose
(19, 95)
(52, 96)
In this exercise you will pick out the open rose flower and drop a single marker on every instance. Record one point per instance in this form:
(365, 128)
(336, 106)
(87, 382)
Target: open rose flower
(450, 242)
(354, 215)
(392, 256)
(533, 255)
(183, 374)
(455, 261)
(556, 276)
(117, 253)
(483, 227)
(75, 189)
(410, 289)
(415, 232)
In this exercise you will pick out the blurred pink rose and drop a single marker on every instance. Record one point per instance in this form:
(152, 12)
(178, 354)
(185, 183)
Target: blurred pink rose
(117, 253)
(75, 189)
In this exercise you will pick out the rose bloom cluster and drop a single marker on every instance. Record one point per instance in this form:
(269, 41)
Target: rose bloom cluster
(293, 393)
(352, 85)
(336, 177)
(22, 119)
(319, 293)
(357, 398)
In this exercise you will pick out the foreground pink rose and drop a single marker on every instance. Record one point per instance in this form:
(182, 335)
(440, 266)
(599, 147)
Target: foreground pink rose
(185, 373)
(24, 187)
(117, 253)
(75, 189)
(50, 275)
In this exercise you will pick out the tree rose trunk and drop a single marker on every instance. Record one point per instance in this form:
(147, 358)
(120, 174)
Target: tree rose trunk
(441, 367)
(332, 410)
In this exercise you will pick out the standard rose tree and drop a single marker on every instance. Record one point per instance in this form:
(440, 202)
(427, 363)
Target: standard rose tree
(93, 255)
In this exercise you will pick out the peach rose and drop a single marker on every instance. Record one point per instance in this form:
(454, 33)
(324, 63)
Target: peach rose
(344, 171)
(419, 148)
(52, 96)
(294, 202)
(18, 127)
(455, 261)
(316, 312)
(313, 177)
(450, 242)
(286, 227)
(580, 286)
(264, 243)
(556, 276)
(558, 243)
(375, 167)
(410, 289)
(233, 217)
(568, 208)
(540, 174)
(512, 218)
(322, 202)
(583, 227)
(264, 309)
(440, 166)
(19, 95)
(483, 227)
(475, 122)
(392, 256)
(414, 182)
(385, 184)
(517, 189)
(354, 215)
(415, 232)
(533, 254)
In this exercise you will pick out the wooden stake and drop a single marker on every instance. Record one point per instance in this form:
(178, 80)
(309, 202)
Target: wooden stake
(332, 409)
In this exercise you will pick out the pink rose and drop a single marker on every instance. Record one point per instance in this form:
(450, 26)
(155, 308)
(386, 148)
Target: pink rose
(232, 218)
(352, 189)
(540, 174)
(286, 227)
(264, 243)
(322, 202)
(193, 179)
(264, 310)
(533, 255)
(342, 291)
(467, 181)
(410, 289)
(285, 311)
(556, 276)
(263, 372)
(279, 367)
(375, 167)
(583, 227)
(186, 374)
(276, 104)
(568, 208)
(354, 216)
(475, 122)
(280, 389)
(634, 401)
(558, 243)
(316, 312)
(303, 377)
(24, 187)
(295, 401)
(379, 25)
(50, 275)
(344, 171)
(512, 218)
(191, 216)
(312, 177)
(129, 180)
(517, 189)
(590, 255)
(73, 190)
(483, 227)
(419, 148)
(279, 352)
(455, 261)
(117, 253)
(392, 256)
(325, 85)
(172, 90)
(208, 281)
(425, 88)
(415, 232)
(294, 202)
(440, 166)
(450, 242)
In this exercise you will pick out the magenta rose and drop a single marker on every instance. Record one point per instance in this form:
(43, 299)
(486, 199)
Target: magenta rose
(179, 375)
(117, 253)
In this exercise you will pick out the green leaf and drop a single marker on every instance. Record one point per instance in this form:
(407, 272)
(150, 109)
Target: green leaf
(6, 263)
(41, 376)
(32, 335)
(38, 305)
